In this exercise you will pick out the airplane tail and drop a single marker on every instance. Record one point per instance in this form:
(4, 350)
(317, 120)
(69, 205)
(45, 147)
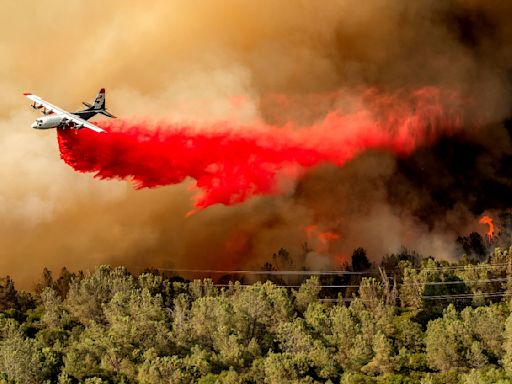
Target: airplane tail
(99, 106)
(99, 102)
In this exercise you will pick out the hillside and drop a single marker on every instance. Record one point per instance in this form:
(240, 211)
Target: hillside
(415, 321)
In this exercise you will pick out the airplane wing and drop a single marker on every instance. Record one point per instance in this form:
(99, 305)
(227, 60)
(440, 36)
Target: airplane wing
(50, 108)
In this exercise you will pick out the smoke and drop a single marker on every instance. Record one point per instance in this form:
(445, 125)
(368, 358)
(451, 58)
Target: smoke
(253, 65)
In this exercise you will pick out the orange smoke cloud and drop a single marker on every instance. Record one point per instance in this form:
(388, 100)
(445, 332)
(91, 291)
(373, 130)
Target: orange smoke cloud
(176, 74)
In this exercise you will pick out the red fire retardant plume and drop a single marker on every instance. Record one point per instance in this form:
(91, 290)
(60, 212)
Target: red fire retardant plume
(230, 165)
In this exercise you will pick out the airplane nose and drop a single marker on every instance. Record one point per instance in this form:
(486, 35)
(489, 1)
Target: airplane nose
(34, 125)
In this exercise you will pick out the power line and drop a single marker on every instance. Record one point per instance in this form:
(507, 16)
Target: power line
(419, 284)
(357, 286)
(286, 286)
(461, 267)
(449, 268)
(428, 297)
(457, 282)
(466, 295)
(496, 280)
(260, 272)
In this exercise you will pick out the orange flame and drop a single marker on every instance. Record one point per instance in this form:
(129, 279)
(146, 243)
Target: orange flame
(310, 229)
(322, 239)
(325, 237)
(488, 221)
(341, 259)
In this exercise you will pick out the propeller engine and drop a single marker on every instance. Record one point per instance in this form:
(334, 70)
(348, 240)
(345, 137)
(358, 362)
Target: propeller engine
(47, 111)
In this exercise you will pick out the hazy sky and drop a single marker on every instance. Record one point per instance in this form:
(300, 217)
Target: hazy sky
(214, 60)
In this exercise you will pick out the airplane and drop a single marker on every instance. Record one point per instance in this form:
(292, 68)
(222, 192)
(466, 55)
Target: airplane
(55, 117)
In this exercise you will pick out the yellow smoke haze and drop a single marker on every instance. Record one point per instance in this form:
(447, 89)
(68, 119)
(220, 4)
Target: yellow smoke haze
(195, 62)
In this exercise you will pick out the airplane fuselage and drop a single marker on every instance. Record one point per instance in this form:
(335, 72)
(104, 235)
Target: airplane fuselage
(56, 121)
(47, 122)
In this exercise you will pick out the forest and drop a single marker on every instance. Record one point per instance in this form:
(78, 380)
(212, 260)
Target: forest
(409, 319)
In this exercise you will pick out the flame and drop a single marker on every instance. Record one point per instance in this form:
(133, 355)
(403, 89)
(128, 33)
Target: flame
(320, 239)
(325, 239)
(488, 221)
(310, 230)
(341, 260)
(328, 236)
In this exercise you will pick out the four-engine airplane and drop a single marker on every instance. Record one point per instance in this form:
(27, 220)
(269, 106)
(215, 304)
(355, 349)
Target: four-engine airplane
(55, 117)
